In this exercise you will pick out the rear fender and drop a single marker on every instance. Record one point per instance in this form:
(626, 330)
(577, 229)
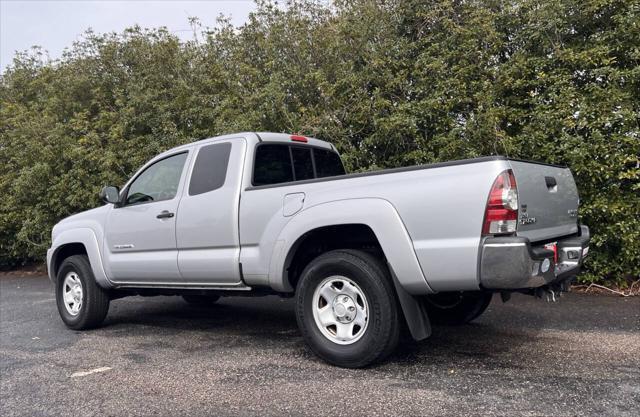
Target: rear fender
(378, 214)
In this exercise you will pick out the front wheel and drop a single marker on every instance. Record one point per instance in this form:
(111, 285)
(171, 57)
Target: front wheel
(456, 308)
(346, 308)
(82, 303)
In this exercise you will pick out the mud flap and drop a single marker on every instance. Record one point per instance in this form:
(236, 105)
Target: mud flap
(414, 312)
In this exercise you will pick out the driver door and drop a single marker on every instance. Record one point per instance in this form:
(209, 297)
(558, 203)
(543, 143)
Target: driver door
(140, 235)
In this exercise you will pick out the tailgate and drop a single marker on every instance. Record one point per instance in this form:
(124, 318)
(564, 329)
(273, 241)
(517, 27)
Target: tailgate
(548, 199)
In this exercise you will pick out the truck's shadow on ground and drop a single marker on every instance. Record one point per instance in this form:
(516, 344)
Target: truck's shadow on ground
(271, 325)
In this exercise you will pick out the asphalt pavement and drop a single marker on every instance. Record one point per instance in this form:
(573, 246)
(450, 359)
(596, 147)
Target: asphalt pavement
(245, 357)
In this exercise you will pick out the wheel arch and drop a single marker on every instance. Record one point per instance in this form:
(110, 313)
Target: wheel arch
(322, 239)
(80, 241)
(63, 252)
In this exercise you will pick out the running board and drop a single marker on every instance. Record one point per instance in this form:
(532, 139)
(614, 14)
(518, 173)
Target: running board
(182, 286)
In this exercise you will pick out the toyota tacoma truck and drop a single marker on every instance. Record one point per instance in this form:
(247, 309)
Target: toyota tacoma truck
(366, 255)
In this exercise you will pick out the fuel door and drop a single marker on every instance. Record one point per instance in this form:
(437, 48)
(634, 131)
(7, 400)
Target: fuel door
(292, 204)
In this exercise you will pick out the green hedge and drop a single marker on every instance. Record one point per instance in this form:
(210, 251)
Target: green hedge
(390, 83)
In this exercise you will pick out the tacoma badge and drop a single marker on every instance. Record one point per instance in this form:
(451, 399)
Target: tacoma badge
(525, 219)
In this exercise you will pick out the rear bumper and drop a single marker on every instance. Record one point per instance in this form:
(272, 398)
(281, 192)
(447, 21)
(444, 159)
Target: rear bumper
(513, 263)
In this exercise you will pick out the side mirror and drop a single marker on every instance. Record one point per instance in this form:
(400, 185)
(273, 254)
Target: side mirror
(110, 195)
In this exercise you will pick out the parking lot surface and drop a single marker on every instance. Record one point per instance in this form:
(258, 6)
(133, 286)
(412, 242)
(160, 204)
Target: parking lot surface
(245, 357)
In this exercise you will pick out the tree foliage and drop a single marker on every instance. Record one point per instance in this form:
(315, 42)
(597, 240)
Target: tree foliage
(390, 83)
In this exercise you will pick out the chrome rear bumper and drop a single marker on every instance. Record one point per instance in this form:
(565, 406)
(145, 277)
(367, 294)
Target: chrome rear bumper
(513, 263)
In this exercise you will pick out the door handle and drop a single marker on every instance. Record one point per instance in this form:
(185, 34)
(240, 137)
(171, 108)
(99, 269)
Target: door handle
(165, 214)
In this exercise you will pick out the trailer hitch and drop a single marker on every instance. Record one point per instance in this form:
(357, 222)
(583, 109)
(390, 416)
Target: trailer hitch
(553, 291)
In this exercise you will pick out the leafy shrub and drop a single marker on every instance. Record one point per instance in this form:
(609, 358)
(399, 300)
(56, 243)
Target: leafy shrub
(389, 83)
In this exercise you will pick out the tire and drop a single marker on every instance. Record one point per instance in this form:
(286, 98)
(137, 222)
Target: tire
(201, 300)
(456, 308)
(361, 285)
(90, 304)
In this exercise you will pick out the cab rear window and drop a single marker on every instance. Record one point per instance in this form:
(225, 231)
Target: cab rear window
(328, 164)
(279, 163)
(272, 165)
(302, 163)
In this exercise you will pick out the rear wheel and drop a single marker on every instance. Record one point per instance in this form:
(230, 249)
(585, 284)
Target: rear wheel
(201, 300)
(346, 308)
(82, 303)
(455, 308)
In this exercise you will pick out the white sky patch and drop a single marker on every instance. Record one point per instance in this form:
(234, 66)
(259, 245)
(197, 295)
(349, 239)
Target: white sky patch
(55, 24)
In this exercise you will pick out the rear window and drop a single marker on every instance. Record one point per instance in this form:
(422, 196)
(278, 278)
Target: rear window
(302, 164)
(278, 163)
(328, 164)
(272, 165)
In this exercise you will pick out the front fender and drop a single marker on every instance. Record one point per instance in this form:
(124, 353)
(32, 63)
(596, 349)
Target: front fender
(378, 214)
(86, 237)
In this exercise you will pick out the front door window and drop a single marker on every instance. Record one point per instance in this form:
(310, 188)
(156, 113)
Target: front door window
(158, 182)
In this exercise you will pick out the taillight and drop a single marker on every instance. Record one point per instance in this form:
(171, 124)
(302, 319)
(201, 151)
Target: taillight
(501, 215)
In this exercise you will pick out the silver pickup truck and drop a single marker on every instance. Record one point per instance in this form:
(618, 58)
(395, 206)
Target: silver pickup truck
(365, 255)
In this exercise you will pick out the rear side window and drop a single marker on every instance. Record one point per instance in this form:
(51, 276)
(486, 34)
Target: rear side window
(302, 164)
(328, 164)
(272, 165)
(210, 168)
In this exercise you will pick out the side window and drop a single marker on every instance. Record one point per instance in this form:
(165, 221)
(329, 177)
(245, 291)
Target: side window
(210, 168)
(302, 164)
(272, 165)
(158, 182)
(328, 164)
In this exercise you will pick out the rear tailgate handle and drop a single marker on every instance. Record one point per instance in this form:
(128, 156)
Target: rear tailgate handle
(552, 184)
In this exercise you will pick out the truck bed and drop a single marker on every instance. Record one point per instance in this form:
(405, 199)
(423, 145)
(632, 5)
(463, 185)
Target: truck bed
(441, 205)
